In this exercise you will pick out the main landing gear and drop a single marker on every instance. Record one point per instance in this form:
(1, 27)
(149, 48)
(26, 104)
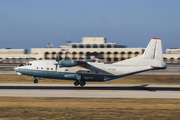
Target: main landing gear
(35, 80)
(81, 83)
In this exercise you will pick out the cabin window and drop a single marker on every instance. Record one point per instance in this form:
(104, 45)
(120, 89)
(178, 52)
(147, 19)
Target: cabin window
(30, 64)
(51, 68)
(66, 69)
(37, 67)
(47, 68)
(41, 67)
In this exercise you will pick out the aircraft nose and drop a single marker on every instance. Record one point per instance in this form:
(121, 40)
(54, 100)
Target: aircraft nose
(15, 68)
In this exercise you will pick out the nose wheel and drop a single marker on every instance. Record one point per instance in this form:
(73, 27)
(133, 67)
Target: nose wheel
(35, 80)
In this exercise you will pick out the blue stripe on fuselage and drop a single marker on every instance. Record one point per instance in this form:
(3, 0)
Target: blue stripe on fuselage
(61, 75)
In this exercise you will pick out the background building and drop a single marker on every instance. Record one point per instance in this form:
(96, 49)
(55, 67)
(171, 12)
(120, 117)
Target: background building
(90, 48)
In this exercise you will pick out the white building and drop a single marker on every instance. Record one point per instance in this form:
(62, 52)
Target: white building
(91, 47)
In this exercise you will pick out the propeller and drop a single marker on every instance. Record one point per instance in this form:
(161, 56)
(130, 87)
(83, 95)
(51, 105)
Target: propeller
(62, 63)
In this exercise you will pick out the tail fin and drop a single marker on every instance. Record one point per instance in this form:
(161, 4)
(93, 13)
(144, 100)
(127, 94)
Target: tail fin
(154, 49)
(152, 56)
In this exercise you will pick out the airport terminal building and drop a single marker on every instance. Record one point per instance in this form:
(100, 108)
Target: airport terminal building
(91, 48)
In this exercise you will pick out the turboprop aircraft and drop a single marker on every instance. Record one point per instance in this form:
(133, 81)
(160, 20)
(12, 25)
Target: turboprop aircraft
(82, 71)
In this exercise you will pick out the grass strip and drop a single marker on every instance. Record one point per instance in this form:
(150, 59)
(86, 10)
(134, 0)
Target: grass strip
(36, 108)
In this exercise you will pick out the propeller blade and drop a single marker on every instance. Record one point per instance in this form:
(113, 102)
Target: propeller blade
(65, 57)
(59, 58)
(57, 62)
(57, 68)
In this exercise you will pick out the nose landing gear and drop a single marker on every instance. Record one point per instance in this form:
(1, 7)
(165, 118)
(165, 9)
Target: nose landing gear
(35, 80)
(81, 83)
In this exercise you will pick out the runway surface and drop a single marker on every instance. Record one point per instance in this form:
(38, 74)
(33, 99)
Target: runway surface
(91, 90)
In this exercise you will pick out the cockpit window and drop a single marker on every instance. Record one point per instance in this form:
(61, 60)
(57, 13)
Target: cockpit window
(25, 64)
(21, 65)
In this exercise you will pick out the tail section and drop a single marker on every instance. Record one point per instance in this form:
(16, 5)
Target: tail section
(154, 50)
(152, 56)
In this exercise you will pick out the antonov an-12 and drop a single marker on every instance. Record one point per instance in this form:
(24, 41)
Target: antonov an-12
(81, 70)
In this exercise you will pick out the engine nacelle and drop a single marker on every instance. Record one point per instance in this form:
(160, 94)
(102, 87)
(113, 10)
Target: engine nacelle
(70, 63)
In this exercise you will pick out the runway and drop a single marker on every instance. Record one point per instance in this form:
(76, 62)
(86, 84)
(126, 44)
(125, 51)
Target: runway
(91, 90)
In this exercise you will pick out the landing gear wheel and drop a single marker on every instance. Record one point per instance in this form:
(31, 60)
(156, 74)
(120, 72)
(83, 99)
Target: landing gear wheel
(82, 83)
(76, 83)
(35, 81)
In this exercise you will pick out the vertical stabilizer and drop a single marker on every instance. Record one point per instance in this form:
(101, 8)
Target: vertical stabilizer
(152, 56)
(154, 49)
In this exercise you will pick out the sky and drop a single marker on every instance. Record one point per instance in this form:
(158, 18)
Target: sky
(26, 24)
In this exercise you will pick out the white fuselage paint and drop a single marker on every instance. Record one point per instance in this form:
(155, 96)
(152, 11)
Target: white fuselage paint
(93, 69)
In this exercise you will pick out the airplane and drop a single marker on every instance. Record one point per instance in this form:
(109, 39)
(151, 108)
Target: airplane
(82, 70)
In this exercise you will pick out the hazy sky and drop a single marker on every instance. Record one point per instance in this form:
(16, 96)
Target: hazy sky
(34, 23)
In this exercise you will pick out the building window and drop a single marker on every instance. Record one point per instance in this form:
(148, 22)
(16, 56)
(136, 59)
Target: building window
(74, 54)
(122, 58)
(122, 54)
(88, 46)
(88, 54)
(101, 46)
(109, 59)
(115, 59)
(178, 59)
(46, 55)
(108, 46)
(172, 59)
(74, 46)
(101, 55)
(129, 54)
(115, 54)
(95, 46)
(108, 54)
(136, 53)
(80, 54)
(53, 55)
(81, 46)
